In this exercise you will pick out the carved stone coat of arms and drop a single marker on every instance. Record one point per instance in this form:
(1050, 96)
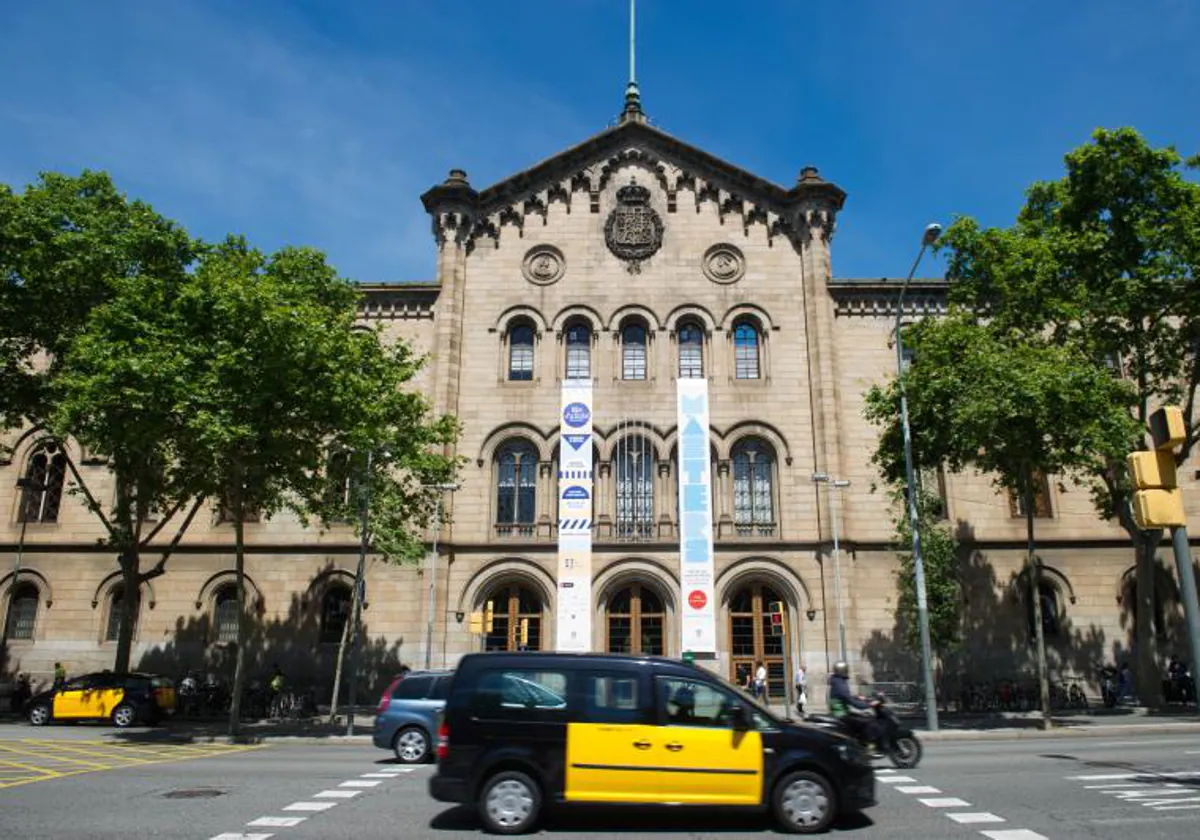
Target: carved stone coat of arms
(634, 230)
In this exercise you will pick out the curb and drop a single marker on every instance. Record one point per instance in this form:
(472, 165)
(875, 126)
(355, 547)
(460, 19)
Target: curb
(1059, 732)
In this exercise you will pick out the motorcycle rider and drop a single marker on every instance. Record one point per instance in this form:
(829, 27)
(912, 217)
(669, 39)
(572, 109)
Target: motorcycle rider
(855, 710)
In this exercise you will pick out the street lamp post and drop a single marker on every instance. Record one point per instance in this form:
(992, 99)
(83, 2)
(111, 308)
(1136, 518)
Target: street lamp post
(433, 557)
(837, 484)
(359, 586)
(932, 232)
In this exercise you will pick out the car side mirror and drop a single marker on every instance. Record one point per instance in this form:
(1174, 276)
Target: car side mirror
(740, 717)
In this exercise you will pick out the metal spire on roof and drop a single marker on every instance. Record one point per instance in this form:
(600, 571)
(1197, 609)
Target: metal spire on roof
(633, 99)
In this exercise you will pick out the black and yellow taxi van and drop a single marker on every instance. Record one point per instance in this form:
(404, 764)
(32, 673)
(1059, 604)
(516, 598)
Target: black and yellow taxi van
(123, 699)
(522, 731)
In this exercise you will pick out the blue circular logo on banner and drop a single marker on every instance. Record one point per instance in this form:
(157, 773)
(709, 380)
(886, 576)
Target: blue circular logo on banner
(575, 492)
(576, 414)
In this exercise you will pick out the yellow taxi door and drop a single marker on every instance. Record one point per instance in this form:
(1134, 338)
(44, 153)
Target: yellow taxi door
(610, 740)
(71, 700)
(699, 757)
(108, 693)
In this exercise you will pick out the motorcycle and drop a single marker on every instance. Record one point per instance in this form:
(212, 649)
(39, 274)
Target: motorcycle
(1108, 686)
(898, 742)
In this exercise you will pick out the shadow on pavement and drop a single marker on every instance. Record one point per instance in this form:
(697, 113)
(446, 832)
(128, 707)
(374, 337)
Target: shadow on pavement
(643, 820)
(251, 732)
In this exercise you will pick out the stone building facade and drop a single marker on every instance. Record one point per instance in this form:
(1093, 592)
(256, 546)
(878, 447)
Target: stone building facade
(531, 285)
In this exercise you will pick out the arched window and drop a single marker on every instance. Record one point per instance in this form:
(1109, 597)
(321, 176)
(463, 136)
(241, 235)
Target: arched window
(746, 351)
(1051, 617)
(42, 486)
(225, 613)
(750, 637)
(336, 604)
(691, 351)
(520, 352)
(634, 463)
(635, 619)
(516, 485)
(753, 487)
(579, 351)
(116, 603)
(633, 351)
(515, 607)
(22, 611)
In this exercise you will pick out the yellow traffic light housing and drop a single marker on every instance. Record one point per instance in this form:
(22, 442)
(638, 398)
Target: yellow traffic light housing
(488, 616)
(524, 638)
(1159, 509)
(1151, 470)
(1167, 429)
(776, 618)
(1157, 500)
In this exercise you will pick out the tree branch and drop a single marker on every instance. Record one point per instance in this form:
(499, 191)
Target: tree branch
(161, 566)
(92, 504)
(162, 523)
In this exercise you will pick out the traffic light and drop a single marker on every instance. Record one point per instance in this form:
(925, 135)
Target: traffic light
(1157, 499)
(777, 618)
(524, 632)
(487, 617)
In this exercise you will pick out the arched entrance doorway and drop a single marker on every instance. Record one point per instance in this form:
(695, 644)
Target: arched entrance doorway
(512, 605)
(750, 638)
(635, 621)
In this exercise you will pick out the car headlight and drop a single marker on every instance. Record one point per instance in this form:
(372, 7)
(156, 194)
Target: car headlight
(851, 753)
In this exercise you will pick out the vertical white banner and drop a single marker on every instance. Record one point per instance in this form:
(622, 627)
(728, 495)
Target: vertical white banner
(574, 627)
(698, 629)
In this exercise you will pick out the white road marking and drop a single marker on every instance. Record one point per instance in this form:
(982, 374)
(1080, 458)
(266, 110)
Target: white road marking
(891, 780)
(1177, 807)
(1015, 834)
(360, 783)
(916, 789)
(336, 794)
(883, 770)
(309, 806)
(1104, 777)
(380, 775)
(945, 802)
(229, 836)
(1115, 786)
(277, 822)
(970, 819)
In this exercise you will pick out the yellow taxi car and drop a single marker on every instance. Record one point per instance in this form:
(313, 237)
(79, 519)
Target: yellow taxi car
(521, 731)
(124, 699)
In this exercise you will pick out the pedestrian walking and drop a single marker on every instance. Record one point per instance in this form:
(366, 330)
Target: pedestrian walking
(760, 682)
(801, 688)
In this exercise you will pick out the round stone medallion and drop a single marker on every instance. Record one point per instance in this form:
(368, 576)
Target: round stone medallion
(724, 263)
(544, 264)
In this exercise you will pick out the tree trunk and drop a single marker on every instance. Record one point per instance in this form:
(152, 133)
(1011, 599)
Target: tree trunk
(341, 655)
(1149, 681)
(1035, 579)
(130, 601)
(239, 677)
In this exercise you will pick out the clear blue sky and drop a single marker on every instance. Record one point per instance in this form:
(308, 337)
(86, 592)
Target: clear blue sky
(320, 122)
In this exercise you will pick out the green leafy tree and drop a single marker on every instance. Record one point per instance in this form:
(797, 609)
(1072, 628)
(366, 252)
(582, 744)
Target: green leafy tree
(1012, 406)
(943, 581)
(83, 268)
(279, 377)
(1105, 258)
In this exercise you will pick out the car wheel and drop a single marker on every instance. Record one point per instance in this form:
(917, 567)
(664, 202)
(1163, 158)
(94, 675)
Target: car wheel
(411, 745)
(40, 715)
(124, 716)
(804, 803)
(509, 803)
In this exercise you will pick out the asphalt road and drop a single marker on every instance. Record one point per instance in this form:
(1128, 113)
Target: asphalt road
(1138, 786)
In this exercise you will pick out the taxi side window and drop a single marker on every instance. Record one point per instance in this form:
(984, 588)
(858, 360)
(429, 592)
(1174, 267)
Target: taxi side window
(685, 702)
(612, 697)
(80, 684)
(521, 695)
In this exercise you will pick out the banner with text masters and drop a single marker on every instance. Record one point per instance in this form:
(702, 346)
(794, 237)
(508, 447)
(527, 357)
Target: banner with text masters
(698, 628)
(574, 609)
